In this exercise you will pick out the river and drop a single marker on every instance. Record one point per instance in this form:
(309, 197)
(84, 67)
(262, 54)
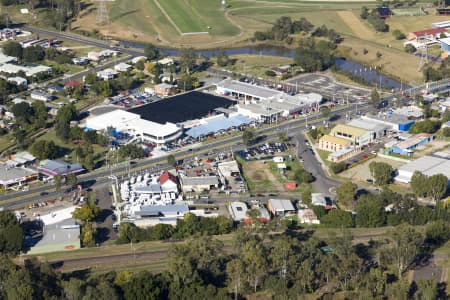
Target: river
(368, 74)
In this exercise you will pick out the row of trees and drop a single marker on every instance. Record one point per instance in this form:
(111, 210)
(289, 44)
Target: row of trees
(186, 227)
(312, 55)
(283, 27)
(434, 186)
(427, 126)
(387, 207)
(283, 265)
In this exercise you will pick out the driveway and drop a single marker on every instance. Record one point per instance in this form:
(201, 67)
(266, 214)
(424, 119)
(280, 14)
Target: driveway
(105, 223)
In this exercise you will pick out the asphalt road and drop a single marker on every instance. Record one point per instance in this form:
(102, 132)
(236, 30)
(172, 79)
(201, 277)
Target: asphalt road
(81, 39)
(322, 182)
(100, 176)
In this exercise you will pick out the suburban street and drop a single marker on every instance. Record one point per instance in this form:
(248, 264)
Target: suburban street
(100, 176)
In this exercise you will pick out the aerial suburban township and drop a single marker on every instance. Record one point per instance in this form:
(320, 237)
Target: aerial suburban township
(224, 149)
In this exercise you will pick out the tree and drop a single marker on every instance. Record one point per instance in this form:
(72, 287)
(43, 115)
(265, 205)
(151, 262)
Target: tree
(33, 54)
(86, 213)
(39, 114)
(248, 137)
(446, 131)
(186, 82)
(282, 137)
(339, 167)
(72, 179)
(381, 172)
(23, 113)
(254, 257)
(43, 149)
(171, 160)
(419, 184)
(12, 48)
(427, 289)
(406, 243)
(437, 186)
(398, 35)
(222, 59)
(151, 52)
(370, 213)
(325, 112)
(21, 137)
(426, 126)
(346, 192)
(375, 98)
(235, 270)
(303, 176)
(410, 48)
(187, 60)
(437, 233)
(140, 64)
(364, 12)
(306, 193)
(58, 182)
(337, 218)
(11, 234)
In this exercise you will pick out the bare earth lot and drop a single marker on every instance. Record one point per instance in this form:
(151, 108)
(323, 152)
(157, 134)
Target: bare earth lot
(361, 172)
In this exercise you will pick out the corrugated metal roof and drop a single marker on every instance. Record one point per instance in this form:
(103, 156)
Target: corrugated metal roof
(281, 205)
(354, 131)
(335, 140)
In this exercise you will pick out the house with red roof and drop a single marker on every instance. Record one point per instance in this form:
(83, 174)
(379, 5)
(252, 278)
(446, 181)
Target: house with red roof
(431, 33)
(72, 84)
(168, 182)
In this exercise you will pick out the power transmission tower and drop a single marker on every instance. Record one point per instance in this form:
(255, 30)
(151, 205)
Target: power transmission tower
(423, 57)
(102, 12)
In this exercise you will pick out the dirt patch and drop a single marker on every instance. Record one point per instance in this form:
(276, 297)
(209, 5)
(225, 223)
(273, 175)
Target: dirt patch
(359, 28)
(361, 172)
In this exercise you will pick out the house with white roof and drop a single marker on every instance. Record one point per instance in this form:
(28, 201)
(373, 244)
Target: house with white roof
(41, 96)
(122, 67)
(107, 74)
(18, 81)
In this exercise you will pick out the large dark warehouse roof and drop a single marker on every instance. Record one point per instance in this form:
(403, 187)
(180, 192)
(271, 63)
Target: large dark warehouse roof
(181, 108)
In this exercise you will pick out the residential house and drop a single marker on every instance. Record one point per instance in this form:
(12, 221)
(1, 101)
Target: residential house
(41, 96)
(122, 67)
(164, 89)
(107, 74)
(20, 81)
(82, 61)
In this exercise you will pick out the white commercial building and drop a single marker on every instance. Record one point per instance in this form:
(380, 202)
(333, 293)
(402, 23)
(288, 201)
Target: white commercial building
(126, 122)
(377, 129)
(427, 165)
(265, 104)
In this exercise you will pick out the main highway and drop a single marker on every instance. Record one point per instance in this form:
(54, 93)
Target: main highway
(101, 176)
